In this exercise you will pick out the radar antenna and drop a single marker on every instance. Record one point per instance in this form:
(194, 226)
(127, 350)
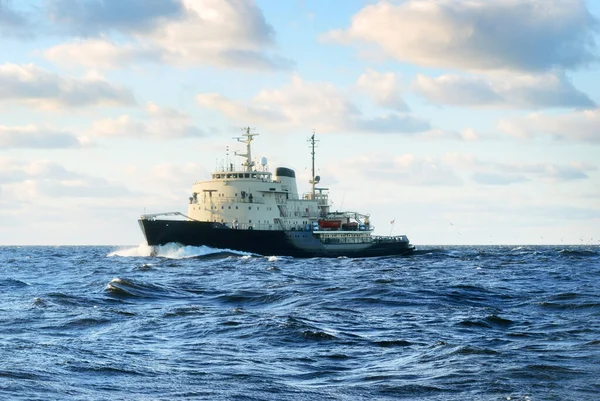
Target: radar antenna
(246, 138)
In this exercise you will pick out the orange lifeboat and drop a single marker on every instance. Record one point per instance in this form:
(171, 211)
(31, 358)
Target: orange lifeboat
(330, 224)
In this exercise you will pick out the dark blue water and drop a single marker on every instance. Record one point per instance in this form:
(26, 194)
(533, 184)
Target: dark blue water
(451, 323)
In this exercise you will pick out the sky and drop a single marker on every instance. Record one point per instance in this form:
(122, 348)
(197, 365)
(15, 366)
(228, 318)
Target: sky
(463, 121)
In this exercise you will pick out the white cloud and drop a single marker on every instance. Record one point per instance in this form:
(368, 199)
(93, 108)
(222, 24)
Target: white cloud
(229, 33)
(382, 88)
(159, 123)
(502, 173)
(502, 90)
(44, 178)
(33, 136)
(13, 23)
(93, 17)
(403, 170)
(40, 88)
(102, 53)
(583, 126)
(317, 104)
(173, 179)
(468, 134)
(454, 169)
(478, 34)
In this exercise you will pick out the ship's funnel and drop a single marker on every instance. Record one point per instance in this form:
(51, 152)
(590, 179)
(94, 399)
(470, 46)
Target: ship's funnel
(287, 176)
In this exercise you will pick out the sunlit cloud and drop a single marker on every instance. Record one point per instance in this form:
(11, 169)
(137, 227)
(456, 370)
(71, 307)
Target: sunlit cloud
(36, 137)
(43, 178)
(160, 122)
(39, 88)
(501, 90)
(224, 33)
(527, 35)
(383, 88)
(580, 126)
(320, 104)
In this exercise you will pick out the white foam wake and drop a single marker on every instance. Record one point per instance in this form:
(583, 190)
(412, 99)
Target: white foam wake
(170, 251)
(138, 251)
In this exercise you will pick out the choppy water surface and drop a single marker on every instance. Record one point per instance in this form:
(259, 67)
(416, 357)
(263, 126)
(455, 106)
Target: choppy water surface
(450, 323)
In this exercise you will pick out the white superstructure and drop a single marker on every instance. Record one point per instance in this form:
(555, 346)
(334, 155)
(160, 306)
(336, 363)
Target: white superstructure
(252, 198)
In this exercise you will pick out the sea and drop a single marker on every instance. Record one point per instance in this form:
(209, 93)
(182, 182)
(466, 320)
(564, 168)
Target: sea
(446, 323)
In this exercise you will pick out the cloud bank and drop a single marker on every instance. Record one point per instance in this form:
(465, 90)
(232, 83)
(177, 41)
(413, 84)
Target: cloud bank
(159, 123)
(95, 17)
(47, 178)
(455, 169)
(315, 104)
(526, 35)
(502, 91)
(35, 137)
(43, 89)
(186, 33)
(13, 23)
(580, 126)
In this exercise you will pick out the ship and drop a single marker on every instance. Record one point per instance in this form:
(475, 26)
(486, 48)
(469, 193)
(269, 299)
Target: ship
(249, 209)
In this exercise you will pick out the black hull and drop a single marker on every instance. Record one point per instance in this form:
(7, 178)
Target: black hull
(280, 243)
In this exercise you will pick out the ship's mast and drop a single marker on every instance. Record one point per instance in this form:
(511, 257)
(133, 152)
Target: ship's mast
(246, 138)
(312, 141)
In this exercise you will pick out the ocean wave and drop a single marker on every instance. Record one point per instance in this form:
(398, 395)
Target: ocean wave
(127, 288)
(393, 343)
(423, 327)
(9, 282)
(577, 252)
(491, 321)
